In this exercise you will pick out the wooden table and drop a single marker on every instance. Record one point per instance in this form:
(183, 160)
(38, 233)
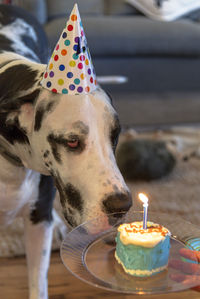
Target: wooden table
(62, 284)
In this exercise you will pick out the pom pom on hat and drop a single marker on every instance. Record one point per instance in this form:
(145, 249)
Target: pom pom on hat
(70, 69)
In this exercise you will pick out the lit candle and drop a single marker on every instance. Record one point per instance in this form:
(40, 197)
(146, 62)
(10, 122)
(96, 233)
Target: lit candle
(144, 199)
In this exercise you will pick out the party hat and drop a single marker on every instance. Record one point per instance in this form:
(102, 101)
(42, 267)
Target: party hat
(70, 69)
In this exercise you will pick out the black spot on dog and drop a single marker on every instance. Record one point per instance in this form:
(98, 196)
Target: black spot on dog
(83, 128)
(73, 197)
(11, 99)
(46, 153)
(23, 78)
(67, 210)
(12, 132)
(60, 140)
(38, 118)
(115, 131)
(42, 210)
(60, 187)
(42, 110)
(53, 141)
(28, 98)
(68, 195)
(14, 160)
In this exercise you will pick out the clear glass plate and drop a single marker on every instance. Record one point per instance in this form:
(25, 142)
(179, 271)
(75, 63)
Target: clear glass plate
(90, 257)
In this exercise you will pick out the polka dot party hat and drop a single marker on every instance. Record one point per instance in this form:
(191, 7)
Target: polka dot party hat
(70, 69)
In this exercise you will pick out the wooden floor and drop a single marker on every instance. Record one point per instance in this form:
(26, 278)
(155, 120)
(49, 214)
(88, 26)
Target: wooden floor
(62, 285)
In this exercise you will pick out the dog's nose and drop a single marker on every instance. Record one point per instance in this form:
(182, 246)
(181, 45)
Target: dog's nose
(118, 202)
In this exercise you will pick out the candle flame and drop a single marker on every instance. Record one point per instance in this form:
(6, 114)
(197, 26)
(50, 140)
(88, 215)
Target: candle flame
(143, 198)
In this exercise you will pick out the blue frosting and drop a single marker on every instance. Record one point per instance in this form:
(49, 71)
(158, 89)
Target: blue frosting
(142, 258)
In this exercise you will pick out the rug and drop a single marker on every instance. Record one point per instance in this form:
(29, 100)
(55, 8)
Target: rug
(177, 194)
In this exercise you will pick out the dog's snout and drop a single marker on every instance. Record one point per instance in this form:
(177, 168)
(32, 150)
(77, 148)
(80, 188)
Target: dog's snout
(119, 202)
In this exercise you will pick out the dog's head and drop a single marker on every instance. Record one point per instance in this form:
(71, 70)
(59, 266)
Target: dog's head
(73, 138)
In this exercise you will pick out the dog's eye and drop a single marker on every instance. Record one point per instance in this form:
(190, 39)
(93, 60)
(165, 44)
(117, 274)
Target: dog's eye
(73, 143)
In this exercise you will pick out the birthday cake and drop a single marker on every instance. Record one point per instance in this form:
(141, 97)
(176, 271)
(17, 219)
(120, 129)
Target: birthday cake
(142, 252)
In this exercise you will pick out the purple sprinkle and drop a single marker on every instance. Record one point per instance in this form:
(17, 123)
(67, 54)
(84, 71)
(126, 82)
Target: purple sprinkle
(80, 89)
(89, 71)
(72, 87)
(76, 39)
(51, 74)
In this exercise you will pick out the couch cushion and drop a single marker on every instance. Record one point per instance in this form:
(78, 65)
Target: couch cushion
(134, 36)
(137, 35)
(118, 7)
(58, 8)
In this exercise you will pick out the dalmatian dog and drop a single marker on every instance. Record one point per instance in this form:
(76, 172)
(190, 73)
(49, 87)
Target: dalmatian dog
(51, 142)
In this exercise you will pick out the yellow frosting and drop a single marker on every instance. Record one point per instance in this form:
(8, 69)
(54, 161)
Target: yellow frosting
(133, 233)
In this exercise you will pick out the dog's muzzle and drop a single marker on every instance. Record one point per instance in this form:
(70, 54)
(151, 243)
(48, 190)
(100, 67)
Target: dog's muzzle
(117, 203)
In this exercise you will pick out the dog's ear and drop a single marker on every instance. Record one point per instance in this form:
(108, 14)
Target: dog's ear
(26, 117)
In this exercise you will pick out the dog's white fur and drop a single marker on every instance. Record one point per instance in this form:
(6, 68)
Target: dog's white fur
(89, 172)
(93, 171)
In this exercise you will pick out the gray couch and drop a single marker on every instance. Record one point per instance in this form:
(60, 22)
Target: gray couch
(160, 59)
